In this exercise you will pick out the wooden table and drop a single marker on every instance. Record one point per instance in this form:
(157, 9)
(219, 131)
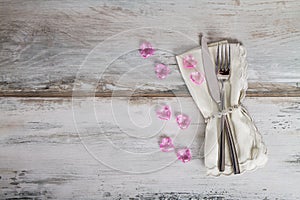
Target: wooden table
(56, 146)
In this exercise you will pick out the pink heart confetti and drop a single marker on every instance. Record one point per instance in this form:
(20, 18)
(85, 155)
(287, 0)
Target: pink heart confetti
(164, 112)
(184, 155)
(189, 61)
(162, 71)
(183, 121)
(166, 144)
(197, 78)
(146, 50)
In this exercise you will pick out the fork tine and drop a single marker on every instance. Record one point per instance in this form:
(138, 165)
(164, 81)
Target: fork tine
(217, 61)
(217, 68)
(229, 57)
(224, 66)
(222, 58)
(225, 58)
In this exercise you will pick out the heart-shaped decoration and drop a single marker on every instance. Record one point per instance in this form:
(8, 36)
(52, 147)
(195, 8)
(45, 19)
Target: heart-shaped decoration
(146, 50)
(164, 112)
(166, 144)
(183, 121)
(184, 155)
(189, 61)
(197, 78)
(162, 71)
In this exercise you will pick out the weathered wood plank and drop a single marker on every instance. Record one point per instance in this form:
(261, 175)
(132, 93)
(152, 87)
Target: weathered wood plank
(42, 45)
(41, 154)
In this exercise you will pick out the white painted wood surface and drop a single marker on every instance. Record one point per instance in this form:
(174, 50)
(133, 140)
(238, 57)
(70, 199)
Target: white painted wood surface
(43, 44)
(42, 155)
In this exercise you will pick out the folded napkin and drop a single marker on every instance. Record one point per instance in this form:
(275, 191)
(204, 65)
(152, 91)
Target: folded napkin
(250, 148)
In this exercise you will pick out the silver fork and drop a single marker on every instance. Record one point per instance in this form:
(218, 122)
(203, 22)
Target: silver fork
(223, 63)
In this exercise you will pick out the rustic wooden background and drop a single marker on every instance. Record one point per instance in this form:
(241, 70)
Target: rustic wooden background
(43, 46)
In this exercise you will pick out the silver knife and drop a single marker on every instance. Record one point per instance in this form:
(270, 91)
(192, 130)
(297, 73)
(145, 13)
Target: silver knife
(214, 90)
(210, 74)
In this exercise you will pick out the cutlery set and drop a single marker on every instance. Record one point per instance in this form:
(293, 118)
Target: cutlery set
(232, 143)
(220, 72)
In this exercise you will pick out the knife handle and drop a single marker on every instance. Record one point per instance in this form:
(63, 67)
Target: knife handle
(232, 149)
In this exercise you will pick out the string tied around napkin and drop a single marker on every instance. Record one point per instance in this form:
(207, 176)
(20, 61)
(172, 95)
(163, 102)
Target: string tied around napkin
(222, 112)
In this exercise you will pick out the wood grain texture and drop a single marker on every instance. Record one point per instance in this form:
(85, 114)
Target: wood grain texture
(43, 45)
(42, 155)
(56, 147)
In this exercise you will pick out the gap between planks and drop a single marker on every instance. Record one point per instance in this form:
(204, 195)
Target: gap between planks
(254, 90)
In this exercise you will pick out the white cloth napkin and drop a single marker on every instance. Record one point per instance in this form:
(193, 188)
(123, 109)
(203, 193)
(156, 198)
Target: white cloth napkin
(250, 148)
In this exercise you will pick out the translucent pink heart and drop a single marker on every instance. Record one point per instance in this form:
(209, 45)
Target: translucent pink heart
(166, 144)
(162, 71)
(197, 78)
(146, 50)
(189, 61)
(183, 121)
(184, 155)
(164, 113)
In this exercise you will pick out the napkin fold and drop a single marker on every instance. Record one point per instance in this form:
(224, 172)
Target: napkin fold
(251, 150)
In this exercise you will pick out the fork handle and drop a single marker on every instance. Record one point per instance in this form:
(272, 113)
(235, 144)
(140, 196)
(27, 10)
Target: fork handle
(222, 134)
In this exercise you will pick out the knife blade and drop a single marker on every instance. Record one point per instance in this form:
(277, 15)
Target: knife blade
(210, 74)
